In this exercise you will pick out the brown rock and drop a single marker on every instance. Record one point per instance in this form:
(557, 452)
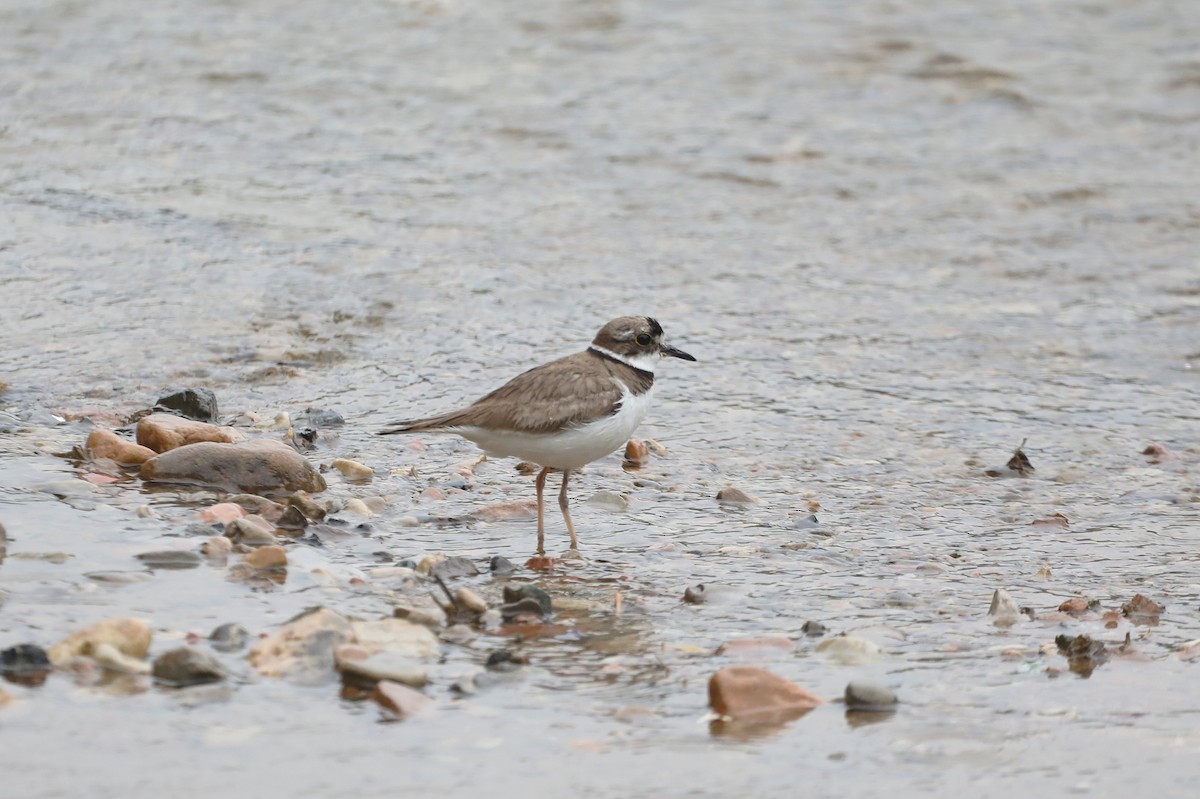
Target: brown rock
(742, 692)
(637, 453)
(218, 546)
(1142, 610)
(400, 699)
(164, 431)
(311, 509)
(127, 636)
(1076, 606)
(756, 646)
(260, 506)
(256, 466)
(252, 531)
(512, 509)
(103, 443)
(268, 557)
(734, 496)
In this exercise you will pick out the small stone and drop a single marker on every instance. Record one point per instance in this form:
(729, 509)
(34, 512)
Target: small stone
(813, 629)
(292, 520)
(357, 506)
(358, 662)
(229, 637)
(869, 697)
(455, 567)
(506, 660)
(1156, 453)
(396, 635)
(216, 547)
(428, 562)
(637, 452)
(401, 700)
(696, 595)
(1076, 606)
(516, 593)
(5, 696)
(114, 659)
(1142, 606)
(434, 493)
(756, 645)
(1004, 608)
(251, 531)
(267, 557)
(320, 417)
(849, 650)
(1057, 521)
(194, 403)
(429, 615)
(126, 635)
(222, 513)
(187, 665)
(734, 496)
(522, 607)
(466, 598)
(25, 664)
(747, 692)
(258, 506)
(303, 648)
(353, 470)
(504, 511)
(103, 443)
(171, 559)
(501, 566)
(258, 466)
(307, 505)
(609, 500)
(162, 432)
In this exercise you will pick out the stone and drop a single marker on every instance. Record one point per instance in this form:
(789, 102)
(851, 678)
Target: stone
(357, 506)
(251, 531)
(466, 598)
(454, 567)
(501, 566)
(259, 466)
(734, 496)
(320, 417)
(171, 559)
(401, 700)
(609, 500)
(267, 557)
(194, 403)
(302, 650)
(162, 432)
(292, 520)
(353, 470)
(516, 593)
(1004, 609)
(187, 665)
(428, 613)
(637, 452)
(1076, 606)
(396, 635)
(358, 662)
(747, 692)
(229, 637)
(114, 659)
(849, 650)
(813, 629)
(428, 562)
(1142, 610)
(505, 511)
(756, 645)
(304, 503)
(522, 607)
(506, 660)
(103, 443)
(696, 595)
(126, 635)
(216, 547)
(222, 513)
(869, 696)
(258, 506)
(25, 664)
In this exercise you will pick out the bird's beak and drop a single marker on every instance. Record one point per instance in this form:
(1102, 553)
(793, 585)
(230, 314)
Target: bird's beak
(676, 353)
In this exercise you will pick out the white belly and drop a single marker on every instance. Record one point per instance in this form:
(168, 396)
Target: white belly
(567, 449)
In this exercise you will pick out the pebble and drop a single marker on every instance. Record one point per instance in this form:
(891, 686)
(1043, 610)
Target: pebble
(637, 452)
(166, 431)
(458, 634)
(262, 465)
(229, 637)
(813, 629)
(321, 417)
(501, 566)
(504, 511)
(218, 546)
(113, 659)
(103, 443)
(529, 605)
(252, 531)
(5, 696)
(869, 696)
(696, 595)
(187, 665)
(734, 496)
(292, 519)
(396, 635)
(353, 470)
(222, 513)
(609, 500)
(466, 598)
(302, 501)
(258, 506)
(1076, 606)
(25, 664)
(429, 615)
(849, 650)
(126, 635)
(267, 557)
(1004, 608)
(454, 567)
(357, 506)
(171, 559)
(517, 593)
(1142, 610)
(428, 562)
(303, 649)
(756, 645)
(401, 700)
(506, 660)
(194, 403)
(357, 661)
(748, 692)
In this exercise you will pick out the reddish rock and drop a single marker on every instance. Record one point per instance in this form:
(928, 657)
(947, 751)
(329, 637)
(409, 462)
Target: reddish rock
(1075, 606)
(637, 453)
(734, 496)
(164, 431)
(400, 699)
(512, 509)
(1142, 610)
(1058, 521)
(103, 443)
(746, 692)
(262, 465)
(222, 513)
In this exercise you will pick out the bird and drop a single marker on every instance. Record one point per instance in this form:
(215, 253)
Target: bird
(565, 413)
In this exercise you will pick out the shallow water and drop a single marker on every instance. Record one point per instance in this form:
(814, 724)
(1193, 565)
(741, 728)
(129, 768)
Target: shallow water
(899, 237)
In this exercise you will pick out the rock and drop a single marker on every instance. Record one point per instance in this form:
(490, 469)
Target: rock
(258, 506)
(747, 692)
(428, 562)
(114, 659)
(506, 660)
(359, 663)
(255, 466)
(756, 645)
(869, 697)
(501, 566)
(504, 511)
(454, 567)
(466, 598)
(1083, 653)
(396, 635)
(696, 595)
(103, 443)
(353, 470)
(609, 500)
(1142, 610)
(356, 505)
(304, 503)
(26, 664)
(229, 637)
(401, 700)
(292, 520)
(813, 629)
(194, 403)
(734, 496)
(849, 650)
(165, 431)
(429, 614)
(222, 513)
(267, 557)
(516, 593)
(303, 649)
(127, 636)
(187, 665)
(1004, 609)
(216, 547)
(637, 452)
(320, 417)
(171, 559)
(1076, 606)
(1057, 521)
(252, 531)
(528, 606)
(1156, 453)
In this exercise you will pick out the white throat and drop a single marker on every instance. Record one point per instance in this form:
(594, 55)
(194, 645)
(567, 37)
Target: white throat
(644, 363)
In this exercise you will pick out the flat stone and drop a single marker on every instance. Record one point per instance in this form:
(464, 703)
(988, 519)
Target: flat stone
(126, 635)
(516, 593)
(503, 511)
(166, 431)
(251, 531)
(171, 559)
(103, 443)
(357, 661)
(259, 466)
(869, 696)
(849, 649)
(741, 692)
(187, 665)
(397, 636)
(401, 700)
(222, 513)
(353, 470)
(258, 506)
(194, 403)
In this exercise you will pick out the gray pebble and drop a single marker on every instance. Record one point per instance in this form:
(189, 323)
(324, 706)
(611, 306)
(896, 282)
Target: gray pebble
(870, 696)
(229, 637)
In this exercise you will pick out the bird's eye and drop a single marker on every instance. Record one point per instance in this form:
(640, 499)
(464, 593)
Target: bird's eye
(643, 340)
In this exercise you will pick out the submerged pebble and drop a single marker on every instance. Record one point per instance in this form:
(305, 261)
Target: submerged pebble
(229, 637)
(171, 559)
(400, 700)
(187, 665)
(126, 635)
(518, 593)
(869, 696)
(353, 470)
(696, 595)
(501, 566)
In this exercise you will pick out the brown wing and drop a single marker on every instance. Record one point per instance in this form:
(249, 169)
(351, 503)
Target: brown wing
(542, 400)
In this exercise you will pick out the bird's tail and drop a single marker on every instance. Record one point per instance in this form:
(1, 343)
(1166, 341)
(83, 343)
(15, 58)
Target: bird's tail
(432, 424)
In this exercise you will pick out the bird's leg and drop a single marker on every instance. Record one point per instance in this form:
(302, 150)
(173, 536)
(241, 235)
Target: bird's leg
(541, 488)
(562, 503)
